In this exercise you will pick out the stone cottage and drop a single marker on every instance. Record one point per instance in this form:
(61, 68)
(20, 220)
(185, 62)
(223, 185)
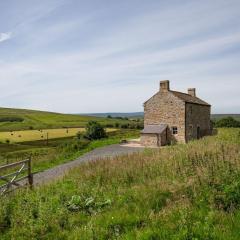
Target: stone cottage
(171, 116)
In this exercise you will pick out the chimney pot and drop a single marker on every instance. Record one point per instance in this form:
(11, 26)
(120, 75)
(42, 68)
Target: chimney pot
(192, 92)
(164, 86)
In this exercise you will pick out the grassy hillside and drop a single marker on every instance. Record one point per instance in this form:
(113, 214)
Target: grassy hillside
(46, 154)
(20, 119)
(180, 192)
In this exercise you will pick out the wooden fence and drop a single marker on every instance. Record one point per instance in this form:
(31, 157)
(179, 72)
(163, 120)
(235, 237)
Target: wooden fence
(16, 179)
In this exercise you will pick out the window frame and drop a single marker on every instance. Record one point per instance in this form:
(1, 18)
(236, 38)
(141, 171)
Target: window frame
(174, 130)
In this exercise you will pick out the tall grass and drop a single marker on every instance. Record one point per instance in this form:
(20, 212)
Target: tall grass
(181, 192)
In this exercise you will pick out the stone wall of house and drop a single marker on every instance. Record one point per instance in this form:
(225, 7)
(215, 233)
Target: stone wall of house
(166, 108)
(149, 140)
(197, 116)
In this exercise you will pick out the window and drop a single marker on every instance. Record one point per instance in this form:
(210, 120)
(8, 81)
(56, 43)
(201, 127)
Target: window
(174, 130)
(190, 109)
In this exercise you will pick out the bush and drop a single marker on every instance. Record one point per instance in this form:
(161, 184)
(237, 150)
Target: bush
(95, 130)
(227, 196)
(228, 122)
(109, 125)
(11, 119)
(78, 135)
(125, 126)
(74, 145)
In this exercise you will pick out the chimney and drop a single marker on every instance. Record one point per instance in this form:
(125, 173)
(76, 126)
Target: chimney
(192, 92)
(164, 86)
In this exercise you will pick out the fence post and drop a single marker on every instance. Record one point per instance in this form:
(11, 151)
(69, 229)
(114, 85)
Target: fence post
(30, 175)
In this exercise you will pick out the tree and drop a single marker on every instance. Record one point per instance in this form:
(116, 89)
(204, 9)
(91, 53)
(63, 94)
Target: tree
(228, 122)
(78, 135)
(95, 130)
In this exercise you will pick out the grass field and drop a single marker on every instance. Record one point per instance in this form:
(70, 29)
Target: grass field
(179, 192)
(30, 119)
(34, 135)
(55, 151)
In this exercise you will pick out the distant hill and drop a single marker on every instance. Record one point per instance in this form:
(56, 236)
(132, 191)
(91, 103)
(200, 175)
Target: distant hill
(218, 116)
(116, 114)
(140, 115)
(20, 119)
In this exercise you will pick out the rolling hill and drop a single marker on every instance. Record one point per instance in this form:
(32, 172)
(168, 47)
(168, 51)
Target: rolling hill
(140, 115)
(22, 119)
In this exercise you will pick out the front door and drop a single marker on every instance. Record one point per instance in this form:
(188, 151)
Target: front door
(198, 132)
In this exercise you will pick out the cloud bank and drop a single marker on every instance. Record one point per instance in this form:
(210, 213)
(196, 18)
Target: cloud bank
(102, 56)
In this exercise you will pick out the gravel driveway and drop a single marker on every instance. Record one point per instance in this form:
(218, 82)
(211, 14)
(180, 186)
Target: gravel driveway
(59, 171)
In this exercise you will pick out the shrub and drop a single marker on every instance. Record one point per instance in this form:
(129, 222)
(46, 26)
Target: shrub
(227, 196)
(228, 122)
(11, 119)
(78, 135)
(95, 130)
(109, 125)
(124, 126)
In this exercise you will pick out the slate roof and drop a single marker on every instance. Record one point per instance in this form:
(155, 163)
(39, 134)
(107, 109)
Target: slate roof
(154, 128)
(185, 97)
(189, 99)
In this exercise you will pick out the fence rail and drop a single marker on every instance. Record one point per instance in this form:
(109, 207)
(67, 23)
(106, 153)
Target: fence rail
(15, 179)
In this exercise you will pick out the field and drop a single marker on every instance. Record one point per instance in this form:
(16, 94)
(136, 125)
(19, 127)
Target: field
(46, 154)
(34, 135)
(180, 192)
(50, 138)
(20, 119)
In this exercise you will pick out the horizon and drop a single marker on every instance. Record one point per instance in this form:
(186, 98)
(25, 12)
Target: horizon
(99, 57)
(86, 113)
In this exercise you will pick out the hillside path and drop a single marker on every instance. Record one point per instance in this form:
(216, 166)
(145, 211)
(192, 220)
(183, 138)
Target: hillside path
(98, 153)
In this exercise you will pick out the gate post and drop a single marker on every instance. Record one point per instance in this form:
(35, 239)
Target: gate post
(30, 175)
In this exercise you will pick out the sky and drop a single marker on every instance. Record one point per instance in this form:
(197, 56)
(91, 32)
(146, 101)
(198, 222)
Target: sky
(76, 56)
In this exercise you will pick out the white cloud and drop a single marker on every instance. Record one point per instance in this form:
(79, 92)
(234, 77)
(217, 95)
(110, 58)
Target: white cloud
(67, 65)
(5, 36)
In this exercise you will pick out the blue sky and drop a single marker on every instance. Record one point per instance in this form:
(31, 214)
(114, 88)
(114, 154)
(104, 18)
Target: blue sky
(78, 56)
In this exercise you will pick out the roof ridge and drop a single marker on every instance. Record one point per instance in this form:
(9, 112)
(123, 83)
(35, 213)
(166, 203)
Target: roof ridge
(192, 99)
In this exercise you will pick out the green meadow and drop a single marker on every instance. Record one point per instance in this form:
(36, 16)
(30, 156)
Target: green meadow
(189, 191)
(51, 138)
(21, 119)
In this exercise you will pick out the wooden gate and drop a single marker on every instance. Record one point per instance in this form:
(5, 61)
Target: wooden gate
(15, 179)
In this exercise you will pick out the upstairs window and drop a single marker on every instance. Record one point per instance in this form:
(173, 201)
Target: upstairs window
(174, 130)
